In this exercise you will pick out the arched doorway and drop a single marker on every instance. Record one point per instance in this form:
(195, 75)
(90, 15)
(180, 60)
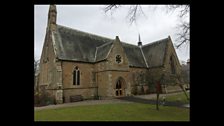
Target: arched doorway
(120, 87)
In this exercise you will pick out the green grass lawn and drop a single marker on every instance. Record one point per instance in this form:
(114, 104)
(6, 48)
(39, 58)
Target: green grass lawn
(178, 98)
(114, 112)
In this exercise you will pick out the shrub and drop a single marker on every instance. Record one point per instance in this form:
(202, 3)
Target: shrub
(43, 99)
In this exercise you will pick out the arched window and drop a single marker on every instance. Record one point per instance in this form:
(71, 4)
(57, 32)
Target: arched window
(76, 76)
(119, 90)
(172, 65)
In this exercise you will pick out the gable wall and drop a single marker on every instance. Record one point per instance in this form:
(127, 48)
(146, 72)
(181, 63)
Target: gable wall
(171, 51)
(86, 88)
(47, 64)
(117, 49)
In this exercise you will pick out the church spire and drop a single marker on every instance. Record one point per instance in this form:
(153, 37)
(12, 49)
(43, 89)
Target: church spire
(139, 38)
(52, 17)
(139, 41)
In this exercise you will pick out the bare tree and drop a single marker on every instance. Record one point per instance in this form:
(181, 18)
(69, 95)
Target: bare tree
(110, 8)
(36, 63)
(183, 36)
(133, 12)
(36, 67)
(183, 9)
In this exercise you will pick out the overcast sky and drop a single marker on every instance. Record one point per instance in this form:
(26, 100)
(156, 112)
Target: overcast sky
(156, 25)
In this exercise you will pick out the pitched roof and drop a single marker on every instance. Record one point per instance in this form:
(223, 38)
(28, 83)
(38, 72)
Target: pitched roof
(75, 45)
(154, 52)
(134, 55)
(102, 51)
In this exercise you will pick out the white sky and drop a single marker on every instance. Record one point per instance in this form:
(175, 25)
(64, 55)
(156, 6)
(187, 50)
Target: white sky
(156, 25)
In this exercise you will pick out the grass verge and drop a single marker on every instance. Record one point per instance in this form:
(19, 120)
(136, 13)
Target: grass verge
(114, 112)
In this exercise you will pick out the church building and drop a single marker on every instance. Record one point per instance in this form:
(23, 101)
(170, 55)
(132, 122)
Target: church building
(76, 63)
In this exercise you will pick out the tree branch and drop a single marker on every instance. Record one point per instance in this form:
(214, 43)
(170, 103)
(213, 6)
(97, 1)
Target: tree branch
(110, 8)
(183, 10)
(132, 13)
(183, 37)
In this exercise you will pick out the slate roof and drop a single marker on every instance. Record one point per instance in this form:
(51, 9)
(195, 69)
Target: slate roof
(75, 45)
(154, 52)
(102, 51)
(134, 55)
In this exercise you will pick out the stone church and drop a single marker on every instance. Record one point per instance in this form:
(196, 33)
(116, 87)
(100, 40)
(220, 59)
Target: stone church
(75, 63)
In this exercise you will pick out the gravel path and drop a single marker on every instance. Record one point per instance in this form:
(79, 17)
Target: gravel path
(81, 103)
(151, 96)
(139, 98)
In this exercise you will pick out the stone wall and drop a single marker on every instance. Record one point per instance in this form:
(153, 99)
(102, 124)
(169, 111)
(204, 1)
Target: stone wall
(86, 93)
(87, 87)
(171, 52)
(100, 79)
(108, 72)
(48, 67)
(137, 83)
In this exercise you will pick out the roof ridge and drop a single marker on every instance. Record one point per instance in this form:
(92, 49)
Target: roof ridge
(105, 44)
(155, 42)
(94, 34)
(96, 52)
(91, 34)
(109, 51)
(144, 57)
(129, 44)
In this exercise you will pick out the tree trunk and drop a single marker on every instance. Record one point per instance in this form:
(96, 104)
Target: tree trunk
(157, 101)
(181, 86)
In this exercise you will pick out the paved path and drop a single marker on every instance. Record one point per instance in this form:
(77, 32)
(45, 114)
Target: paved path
(146, 99)
(149, 101)
(151, 96)
(81, 103)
